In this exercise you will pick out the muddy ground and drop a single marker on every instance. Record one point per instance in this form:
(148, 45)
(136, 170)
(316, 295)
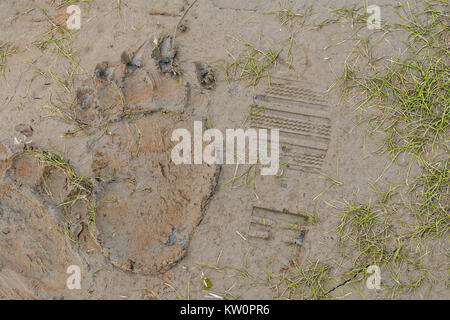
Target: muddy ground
(160, 229)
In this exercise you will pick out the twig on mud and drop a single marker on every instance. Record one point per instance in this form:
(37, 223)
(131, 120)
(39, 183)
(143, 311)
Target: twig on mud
(179, 22)
(163, 13)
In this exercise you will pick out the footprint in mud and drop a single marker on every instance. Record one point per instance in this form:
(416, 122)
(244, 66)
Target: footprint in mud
(48, 177)
(134, 84)
(138, 208)
(35, 251)
(148, 206)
